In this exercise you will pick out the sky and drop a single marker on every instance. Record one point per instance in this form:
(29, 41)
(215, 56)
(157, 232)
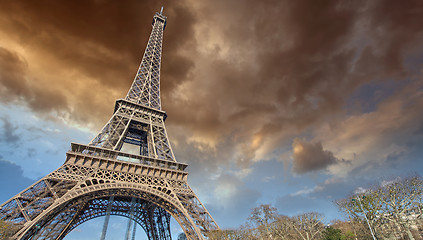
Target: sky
(289, 103)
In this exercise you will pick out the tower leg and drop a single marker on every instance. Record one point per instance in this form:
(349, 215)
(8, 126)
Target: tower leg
(162, 219)
(106, 220)
(130, 220)
(134, 231)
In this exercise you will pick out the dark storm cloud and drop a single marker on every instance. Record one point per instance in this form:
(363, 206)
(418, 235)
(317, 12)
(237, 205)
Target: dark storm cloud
(99, 40)
(395, 31)
(12, 76)
(14, 85)
(274, 69)
(296, 48)
(250, 75)
(317, 61)
(285, 68)
(310, 156)
(305, 53)
(82, 33)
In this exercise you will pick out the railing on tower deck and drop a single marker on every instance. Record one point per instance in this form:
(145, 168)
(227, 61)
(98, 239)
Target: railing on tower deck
(127, 157)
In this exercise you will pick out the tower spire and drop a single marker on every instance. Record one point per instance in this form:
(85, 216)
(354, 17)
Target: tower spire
(145, 89)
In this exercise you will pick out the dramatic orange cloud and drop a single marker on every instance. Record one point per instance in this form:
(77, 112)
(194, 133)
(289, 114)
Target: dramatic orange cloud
(240, 79)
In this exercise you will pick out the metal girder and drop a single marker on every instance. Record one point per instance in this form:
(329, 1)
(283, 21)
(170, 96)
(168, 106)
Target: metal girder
(99, 179)
(107, 218)
(86, 182)
(127, 115)
(145, 89)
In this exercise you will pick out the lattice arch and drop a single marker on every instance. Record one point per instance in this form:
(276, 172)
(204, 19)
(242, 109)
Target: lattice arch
(119, 190)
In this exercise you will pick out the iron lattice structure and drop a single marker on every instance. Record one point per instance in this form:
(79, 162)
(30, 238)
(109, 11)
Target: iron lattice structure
(148, 186)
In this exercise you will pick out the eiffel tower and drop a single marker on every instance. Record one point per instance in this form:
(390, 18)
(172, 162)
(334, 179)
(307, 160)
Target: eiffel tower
(128, 169)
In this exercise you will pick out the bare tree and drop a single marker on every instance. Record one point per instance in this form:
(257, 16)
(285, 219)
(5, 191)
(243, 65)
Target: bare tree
(390, 209)
(243, 233)
(249, 233)
(401, 202)
(308, 226)
(352, 229)
(283, 228)
(217, 235)
(262, 217)
(365, 208)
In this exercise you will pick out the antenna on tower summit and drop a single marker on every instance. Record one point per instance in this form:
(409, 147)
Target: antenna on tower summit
(161, 11)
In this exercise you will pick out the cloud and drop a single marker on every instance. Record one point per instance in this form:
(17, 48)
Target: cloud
(80, 65)
(42, 144)
(9, 132)
(266, 74)
(12, 180)
(257, 77)
(15, 85)
(294, 205)
(380, 138)
(335, 188)
(226, 196)
(12, 79)
(306, 191)
(232, 192)
(310, 156)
